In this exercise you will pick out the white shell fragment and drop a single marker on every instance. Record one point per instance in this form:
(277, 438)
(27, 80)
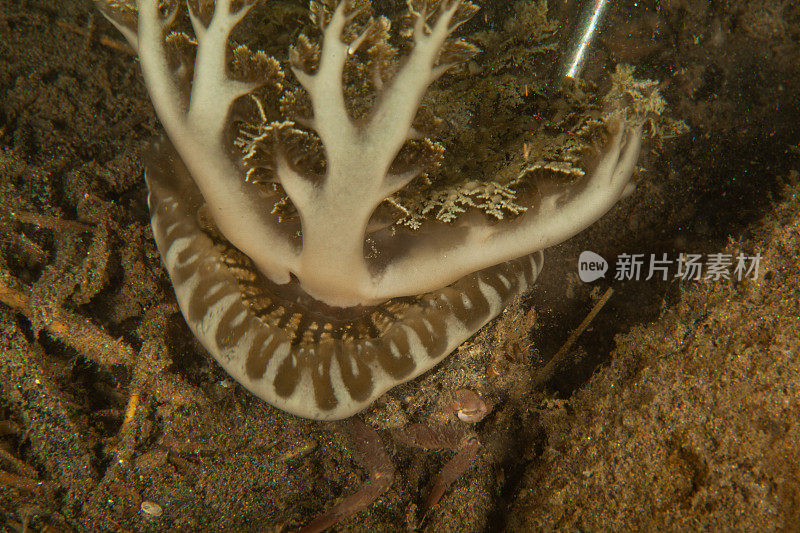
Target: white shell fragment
(151, 509)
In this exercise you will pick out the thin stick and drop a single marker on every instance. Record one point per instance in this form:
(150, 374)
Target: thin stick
(46, 221)
(549, 369)
(19, 466)
(130, 411)
(19, 482)
(14, 299)
(72, 329)
(105, 41)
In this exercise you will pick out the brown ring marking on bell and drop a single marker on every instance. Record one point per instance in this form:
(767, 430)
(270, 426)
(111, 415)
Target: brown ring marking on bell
(186, 263)
(319, 366)
(259, 354)
(431, 329)
(177, 229)
(209, 291)
(287, 376)
(468, 305)
(359, 384)
(493, 281)
(397, 362)
(526, 264)
(172, 229)
(229, 333)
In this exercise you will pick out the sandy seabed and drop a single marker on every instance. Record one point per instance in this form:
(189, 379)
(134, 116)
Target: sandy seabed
(679, 408)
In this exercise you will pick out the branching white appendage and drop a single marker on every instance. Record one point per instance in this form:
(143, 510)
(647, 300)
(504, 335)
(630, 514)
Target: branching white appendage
(485, 244)
(335, 212)
(335, 215)
(197, 135)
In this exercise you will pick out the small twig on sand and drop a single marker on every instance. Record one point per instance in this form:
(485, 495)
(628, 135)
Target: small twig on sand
(556, 361)
(130, 411)
(21, 468)
(13, 299)
(71, 329)
(45, 221)
(103, 40)
(20, 482)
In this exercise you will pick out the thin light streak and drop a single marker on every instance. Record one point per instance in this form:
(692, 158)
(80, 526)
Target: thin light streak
(586, 39)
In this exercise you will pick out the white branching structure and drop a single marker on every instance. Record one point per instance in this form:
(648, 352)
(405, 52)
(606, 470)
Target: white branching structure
(196, 131)
(335, 211)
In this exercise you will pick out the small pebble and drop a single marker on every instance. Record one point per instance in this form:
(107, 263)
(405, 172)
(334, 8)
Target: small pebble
(152, 509)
